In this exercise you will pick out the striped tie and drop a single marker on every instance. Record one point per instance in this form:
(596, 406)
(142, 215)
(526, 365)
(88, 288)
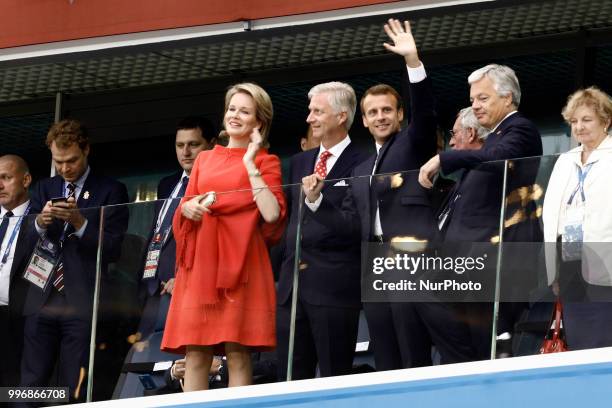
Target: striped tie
(58, 280)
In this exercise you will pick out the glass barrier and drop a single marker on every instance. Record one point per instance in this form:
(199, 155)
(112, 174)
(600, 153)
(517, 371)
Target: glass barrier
(557, 248)
(418, 266)
(52, 292)
(379, 274)
(202, 281)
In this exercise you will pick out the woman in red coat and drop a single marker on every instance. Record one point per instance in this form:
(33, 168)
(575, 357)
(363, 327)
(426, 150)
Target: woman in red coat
(224, 296)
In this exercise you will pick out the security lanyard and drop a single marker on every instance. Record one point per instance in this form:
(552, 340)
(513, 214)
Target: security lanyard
(13, 235)
(167, 203)
(580, 187)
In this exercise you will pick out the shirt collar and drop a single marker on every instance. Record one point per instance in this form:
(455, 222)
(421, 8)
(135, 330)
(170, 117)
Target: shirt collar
(80, 182)
(337, 149)
(378, 147)
(17, 211)
(500, 122)
(604, 148)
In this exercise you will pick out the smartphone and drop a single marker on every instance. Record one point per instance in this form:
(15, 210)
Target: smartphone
(58, 200)
(208, 199)
(147, 381)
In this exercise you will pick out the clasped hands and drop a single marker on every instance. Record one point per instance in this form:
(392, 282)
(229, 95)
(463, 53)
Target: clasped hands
(66, 211)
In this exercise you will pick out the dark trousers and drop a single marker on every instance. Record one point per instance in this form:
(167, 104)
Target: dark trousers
(403, 334)
(323, 334)
(11, 344)
(387, 337)
(55, 334)
(154, 314)
(587, 309)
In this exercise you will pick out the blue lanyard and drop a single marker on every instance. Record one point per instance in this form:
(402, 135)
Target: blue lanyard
(580, 187)
(13, 235)
(167, 202)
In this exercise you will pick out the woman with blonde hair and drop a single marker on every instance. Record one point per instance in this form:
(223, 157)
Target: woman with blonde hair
(577, 217)
(224, 296)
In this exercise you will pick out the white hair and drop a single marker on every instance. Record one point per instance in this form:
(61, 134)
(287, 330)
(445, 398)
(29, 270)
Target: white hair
(468, 120)
(341, 97)
(504, 80)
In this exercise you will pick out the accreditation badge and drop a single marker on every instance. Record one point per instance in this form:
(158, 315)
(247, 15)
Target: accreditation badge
(572, 238)
(42, 263)
(152, 260)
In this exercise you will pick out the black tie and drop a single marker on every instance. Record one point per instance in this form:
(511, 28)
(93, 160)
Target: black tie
(167, 220)
(4, 225)
(71, 190)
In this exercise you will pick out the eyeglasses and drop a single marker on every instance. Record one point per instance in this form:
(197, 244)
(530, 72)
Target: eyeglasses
(452, 133)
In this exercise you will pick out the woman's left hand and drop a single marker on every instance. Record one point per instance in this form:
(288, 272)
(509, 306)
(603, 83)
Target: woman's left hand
(253, 147)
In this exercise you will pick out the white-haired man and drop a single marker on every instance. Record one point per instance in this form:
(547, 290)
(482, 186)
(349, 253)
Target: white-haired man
(472, 212)
(329, 265)
(467, 133)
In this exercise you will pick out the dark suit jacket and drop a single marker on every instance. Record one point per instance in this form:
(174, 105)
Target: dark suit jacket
(476, 211)
(79, 255)
(405, 209)
(24, 247)
(330, 265)
(165, 269)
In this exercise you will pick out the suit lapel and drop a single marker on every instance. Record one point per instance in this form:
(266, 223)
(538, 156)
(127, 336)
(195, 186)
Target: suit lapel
(88, 192)
(19, 250)
(383, 151)
(343, 165)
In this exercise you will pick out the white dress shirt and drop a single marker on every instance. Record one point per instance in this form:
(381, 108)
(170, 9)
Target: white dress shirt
(174, 195)
(499, 123)
(336, 150)
(377, 225)
(5, 268)
(415, 75)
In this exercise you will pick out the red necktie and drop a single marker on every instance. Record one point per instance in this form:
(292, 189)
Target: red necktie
(321, 167)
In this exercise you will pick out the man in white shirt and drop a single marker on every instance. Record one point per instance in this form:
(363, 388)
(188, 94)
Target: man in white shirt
(328, 301)
(392, 209)
(15, 248)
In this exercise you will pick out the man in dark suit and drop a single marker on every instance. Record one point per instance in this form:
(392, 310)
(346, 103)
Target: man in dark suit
(59, 309)
(472, 212)
(15, 248)
(328, 301)
(394, 208)
(193, 135)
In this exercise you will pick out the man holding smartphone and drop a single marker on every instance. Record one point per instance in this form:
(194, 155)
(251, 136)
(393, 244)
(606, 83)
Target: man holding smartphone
(59, 301)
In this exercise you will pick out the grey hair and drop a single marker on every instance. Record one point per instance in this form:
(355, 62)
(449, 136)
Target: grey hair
(468, 120)
(504, 80)
(341, 97)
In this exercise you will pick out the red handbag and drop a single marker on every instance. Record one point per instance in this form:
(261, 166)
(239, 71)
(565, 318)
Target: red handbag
(554, 341)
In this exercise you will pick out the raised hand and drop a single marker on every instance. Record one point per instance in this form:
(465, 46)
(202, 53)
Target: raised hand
(253, 147)
(403, 41)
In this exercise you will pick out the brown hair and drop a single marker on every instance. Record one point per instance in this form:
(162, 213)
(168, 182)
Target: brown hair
(594, 98)
(381, 89)
(67, 132)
